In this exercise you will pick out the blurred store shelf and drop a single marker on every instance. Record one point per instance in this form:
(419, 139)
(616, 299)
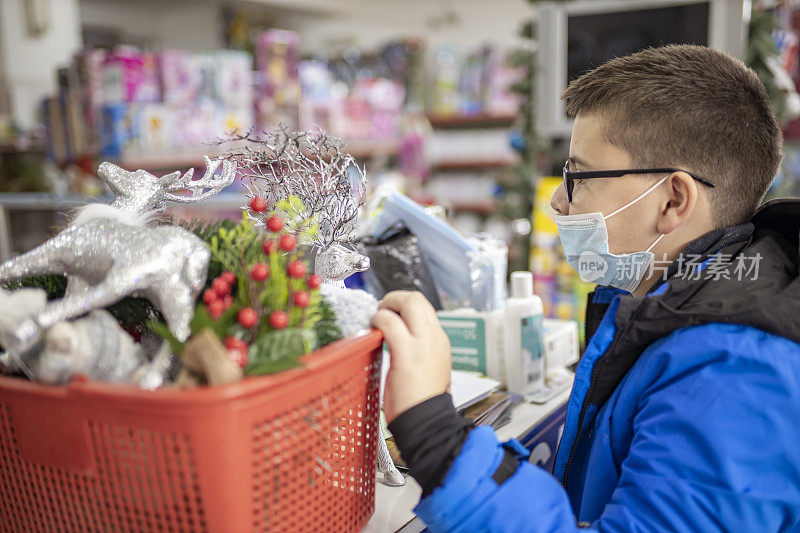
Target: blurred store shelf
(480, 120)
(467, 164)
(360, 149)
(311, 7)
(57, 202)
(482, 207)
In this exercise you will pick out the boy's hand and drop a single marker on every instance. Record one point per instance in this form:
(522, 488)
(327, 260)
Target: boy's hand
(419, 349)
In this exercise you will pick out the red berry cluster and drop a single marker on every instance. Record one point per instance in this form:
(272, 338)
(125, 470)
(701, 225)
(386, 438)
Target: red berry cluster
(296, 268)
(237, 350)
(218, 298)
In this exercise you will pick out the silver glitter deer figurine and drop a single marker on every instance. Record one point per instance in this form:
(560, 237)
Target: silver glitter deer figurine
(108, 252)
(313, 167)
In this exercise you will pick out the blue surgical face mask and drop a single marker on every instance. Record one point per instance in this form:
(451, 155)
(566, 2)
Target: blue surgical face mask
(584, 239)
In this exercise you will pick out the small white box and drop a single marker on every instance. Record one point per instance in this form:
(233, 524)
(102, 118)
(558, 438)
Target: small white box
(560, 342)
(476, 340)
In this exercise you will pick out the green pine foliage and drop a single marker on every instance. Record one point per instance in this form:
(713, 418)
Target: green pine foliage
(131, 312)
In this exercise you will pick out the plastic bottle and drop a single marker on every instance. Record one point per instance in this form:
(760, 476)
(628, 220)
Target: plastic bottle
(524, 344)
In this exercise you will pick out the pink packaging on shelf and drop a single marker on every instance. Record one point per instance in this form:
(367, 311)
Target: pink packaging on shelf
(180, 78)
(196, 124)
(277, 55)
(130, 76)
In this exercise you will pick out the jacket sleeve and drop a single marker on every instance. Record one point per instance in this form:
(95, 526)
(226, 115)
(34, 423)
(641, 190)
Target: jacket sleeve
(711, 449)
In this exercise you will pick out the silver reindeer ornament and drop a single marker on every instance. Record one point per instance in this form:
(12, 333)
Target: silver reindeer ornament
(314, 168)
(108, 252)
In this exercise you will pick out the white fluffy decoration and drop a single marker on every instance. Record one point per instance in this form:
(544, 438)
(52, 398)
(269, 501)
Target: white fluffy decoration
(353, 308)
(94, 346)
(123, 216)
(16, 306)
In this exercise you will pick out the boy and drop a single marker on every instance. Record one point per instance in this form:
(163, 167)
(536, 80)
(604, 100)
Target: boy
(685, 412)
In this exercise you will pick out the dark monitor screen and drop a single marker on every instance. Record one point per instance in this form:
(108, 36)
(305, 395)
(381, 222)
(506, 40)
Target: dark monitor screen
(594, 39)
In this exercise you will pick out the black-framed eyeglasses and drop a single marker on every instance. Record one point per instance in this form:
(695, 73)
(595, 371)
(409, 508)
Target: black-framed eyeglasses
(570, 177)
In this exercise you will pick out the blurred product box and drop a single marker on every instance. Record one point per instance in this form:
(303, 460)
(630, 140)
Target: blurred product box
(234, 119)
(476, 341)
(130, 76)
(90, 74)
(199, 123)
(181, 79)
(233, 77)
(561, 342)
(563, 293)
(120, 129)
(470, 145)
(158, 127)
(277, 57)
(53, 113)
(443, 96)
(316, 81)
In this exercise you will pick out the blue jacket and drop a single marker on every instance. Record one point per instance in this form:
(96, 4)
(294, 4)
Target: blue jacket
(684, 415)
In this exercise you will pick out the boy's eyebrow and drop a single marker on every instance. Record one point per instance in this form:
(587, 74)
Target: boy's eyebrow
(575, 160)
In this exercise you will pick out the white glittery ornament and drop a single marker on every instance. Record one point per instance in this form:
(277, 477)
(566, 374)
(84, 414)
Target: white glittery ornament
(108, 253)
(94, 346)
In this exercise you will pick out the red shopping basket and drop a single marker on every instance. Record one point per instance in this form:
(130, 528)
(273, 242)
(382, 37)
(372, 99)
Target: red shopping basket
(293, 451)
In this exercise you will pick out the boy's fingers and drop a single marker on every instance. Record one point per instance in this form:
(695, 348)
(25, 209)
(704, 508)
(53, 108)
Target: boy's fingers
(414, 309)
(392, 326)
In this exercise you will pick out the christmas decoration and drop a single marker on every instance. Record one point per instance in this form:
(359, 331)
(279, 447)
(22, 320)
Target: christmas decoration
(258, 204)
(278, 319)
(275, 224)
(317, 185)
(247, 317)
(206, 360)
(301, 299)
(259, 272)
(287, 243)
(254, 305)
(237, 350)
(109, 252)
(296, 269)
(319, 189)
(94, 346)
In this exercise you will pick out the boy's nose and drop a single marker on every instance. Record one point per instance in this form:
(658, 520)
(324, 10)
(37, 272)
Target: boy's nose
(559, 201)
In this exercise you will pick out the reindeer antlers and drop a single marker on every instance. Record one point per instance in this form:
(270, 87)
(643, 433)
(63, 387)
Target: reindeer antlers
(214, 183)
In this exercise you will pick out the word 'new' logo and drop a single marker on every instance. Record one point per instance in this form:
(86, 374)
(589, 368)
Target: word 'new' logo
(591, 266)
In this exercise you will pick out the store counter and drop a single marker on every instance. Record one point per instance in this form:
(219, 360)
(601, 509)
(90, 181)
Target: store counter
(538, 427)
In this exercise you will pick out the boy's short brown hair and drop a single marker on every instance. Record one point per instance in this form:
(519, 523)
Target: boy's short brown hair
(689, 107)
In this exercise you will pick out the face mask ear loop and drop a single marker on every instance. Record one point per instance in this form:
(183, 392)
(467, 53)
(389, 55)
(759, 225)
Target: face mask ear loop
(655, 242)
(645, 193)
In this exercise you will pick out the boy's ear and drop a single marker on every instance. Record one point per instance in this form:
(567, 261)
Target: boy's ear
(680, 203)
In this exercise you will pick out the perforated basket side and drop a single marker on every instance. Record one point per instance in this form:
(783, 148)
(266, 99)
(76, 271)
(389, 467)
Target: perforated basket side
(320, 456)
(290, 452)
(142, 481)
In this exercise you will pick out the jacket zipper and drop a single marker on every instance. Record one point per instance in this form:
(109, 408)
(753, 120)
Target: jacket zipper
(578, 431)
(585, 401)
(592, 381)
